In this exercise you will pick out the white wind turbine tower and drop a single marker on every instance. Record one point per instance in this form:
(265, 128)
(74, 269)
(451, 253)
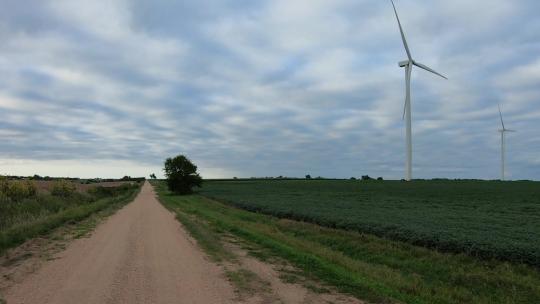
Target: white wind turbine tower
(408, 65)
(503, 142)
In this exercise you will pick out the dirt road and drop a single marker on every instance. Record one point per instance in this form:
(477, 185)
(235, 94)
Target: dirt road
(139, 255)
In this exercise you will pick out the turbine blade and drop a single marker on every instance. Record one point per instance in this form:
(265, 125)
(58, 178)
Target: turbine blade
(402, 33)
(418, 64)
(500, 114)
(508, 130)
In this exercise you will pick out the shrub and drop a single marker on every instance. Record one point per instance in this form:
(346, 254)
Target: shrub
(31, 188)
(101, 192)
(63, 188)
(17, 190)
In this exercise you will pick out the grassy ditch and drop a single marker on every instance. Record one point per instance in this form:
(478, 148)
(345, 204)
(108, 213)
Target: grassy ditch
(35, 214)
(368, 267)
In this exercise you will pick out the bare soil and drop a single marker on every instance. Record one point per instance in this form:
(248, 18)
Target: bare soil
(276, 281)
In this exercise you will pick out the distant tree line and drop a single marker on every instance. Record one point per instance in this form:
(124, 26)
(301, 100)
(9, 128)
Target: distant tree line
(132, 179)
(37, 177)
(307, 177)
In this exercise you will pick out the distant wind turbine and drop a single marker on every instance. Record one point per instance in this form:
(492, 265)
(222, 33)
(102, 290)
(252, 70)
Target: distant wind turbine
(503, 142)
(408, 65)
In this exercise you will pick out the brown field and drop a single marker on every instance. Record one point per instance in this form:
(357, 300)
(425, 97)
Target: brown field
(46, 186)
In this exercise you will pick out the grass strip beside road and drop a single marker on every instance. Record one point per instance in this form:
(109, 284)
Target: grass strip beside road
(368, 267)
(19, 233)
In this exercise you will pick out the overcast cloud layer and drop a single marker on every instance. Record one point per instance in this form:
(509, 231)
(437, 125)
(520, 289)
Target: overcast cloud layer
(267, 88)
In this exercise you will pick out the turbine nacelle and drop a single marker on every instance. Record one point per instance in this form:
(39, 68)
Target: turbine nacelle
(404, 63)
(503, 144)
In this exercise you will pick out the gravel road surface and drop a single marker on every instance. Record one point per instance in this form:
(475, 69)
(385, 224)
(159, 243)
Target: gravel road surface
(141, 254)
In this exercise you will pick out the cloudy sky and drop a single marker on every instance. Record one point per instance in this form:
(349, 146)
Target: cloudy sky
(267, 88)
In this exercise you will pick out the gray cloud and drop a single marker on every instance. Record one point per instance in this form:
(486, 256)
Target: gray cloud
(262, 88)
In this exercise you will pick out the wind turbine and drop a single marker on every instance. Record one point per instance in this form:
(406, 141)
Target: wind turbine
(503, 142)
(408, 65)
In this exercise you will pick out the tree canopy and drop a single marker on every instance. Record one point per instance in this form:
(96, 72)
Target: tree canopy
(181, 175)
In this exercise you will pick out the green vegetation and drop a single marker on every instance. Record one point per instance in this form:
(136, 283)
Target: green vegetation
(181, 175)
(205, 236)
(369, 267)
(247, 282)
(485, 219)
(16, 190)
(63, 188)
(25, 214)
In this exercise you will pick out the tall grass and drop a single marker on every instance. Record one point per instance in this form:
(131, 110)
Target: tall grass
(27, 216)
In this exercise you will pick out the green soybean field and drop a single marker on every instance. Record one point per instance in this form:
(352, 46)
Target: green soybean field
(486, 219)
